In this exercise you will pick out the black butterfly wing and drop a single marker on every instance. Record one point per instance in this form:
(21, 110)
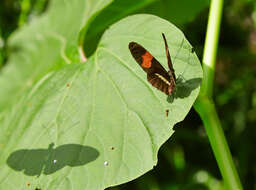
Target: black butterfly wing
(156, 74)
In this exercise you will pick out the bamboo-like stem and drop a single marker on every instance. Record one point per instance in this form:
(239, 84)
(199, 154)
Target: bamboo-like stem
(25, 7)
(205, 106)
(211, 45)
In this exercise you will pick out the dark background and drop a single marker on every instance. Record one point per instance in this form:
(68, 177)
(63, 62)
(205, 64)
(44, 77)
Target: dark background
(186, 160)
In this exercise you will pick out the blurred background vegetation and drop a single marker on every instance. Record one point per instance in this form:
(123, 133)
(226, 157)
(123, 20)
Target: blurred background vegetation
(186, 161)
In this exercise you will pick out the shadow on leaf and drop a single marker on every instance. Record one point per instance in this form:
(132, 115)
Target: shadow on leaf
(184, 88)
(47, 161)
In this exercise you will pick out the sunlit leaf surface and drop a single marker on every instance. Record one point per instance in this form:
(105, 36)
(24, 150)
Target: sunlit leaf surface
(94, 124)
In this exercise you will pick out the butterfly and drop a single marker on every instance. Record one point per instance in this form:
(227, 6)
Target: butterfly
(156, 74)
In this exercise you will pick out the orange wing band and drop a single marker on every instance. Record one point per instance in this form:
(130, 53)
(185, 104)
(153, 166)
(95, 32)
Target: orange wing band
(147, 58)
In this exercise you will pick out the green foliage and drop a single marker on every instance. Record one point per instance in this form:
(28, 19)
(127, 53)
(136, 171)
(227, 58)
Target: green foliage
(254, 14)
(186, 160)
(45, 46)
(1, 51)
(116, 10)
(170, 10)
(93, 124)
(178, 12)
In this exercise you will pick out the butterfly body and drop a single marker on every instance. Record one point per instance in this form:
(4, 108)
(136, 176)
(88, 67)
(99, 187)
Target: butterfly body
(156, 74)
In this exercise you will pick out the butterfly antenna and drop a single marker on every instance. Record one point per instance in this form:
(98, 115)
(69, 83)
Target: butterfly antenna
(191, 51)
(181, 45)
(181, 75)
(167, 53)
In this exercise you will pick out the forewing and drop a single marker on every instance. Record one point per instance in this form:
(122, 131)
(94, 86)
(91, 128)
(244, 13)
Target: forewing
(144, 58)
(156, 74)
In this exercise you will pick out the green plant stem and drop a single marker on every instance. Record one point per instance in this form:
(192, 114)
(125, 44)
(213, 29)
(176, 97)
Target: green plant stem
(205, 106)
(211, 45)
(206, 109)
(25, 7)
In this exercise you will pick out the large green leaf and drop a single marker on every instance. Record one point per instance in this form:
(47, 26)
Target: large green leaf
(98, 124)
(86, 126)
